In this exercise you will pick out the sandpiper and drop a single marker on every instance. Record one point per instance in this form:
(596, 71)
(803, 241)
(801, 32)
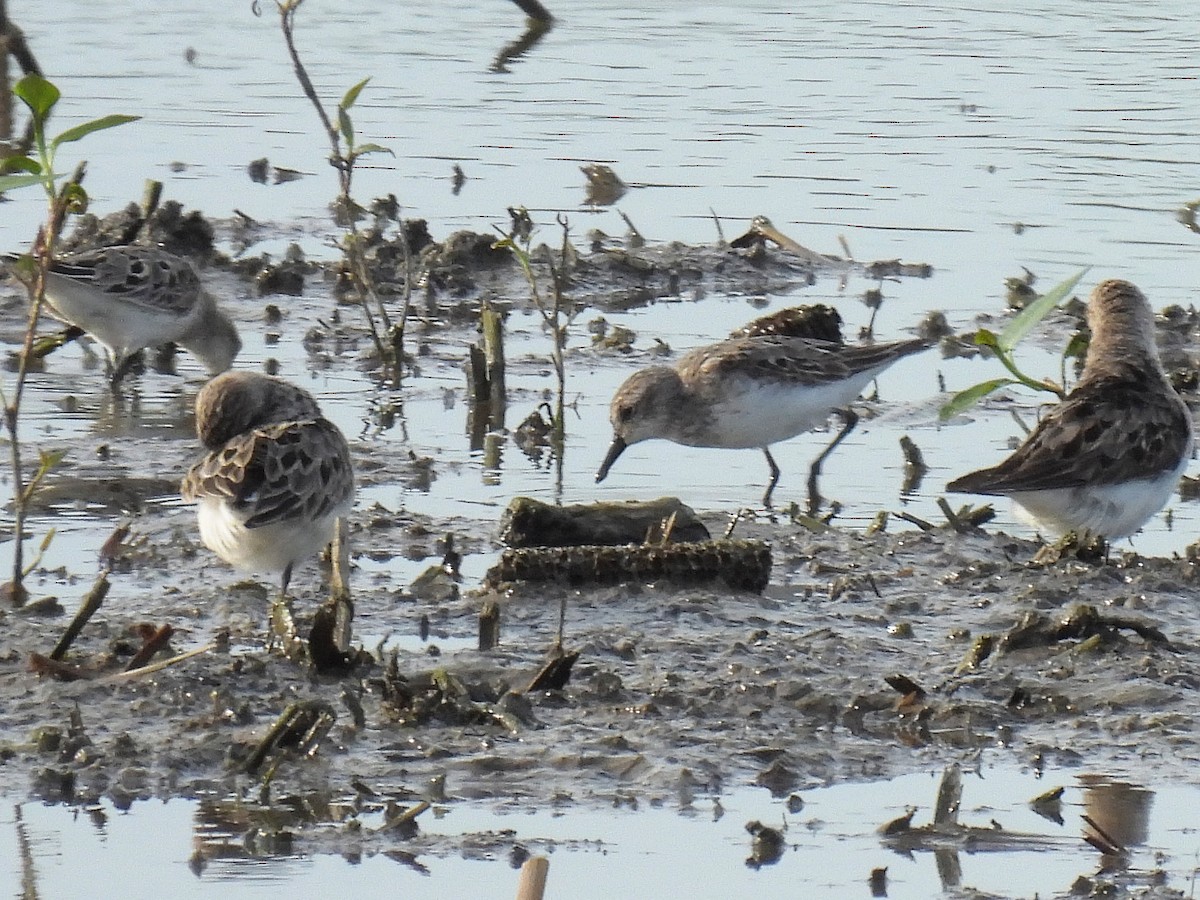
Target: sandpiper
(277, 475)
(132, 297)
(1109, 456)
(748, 392)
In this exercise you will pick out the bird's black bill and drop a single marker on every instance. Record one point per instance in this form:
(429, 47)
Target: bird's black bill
(615, 449)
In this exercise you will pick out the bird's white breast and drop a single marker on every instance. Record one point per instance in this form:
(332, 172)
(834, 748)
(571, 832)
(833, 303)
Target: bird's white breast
(1111, 510)
(758, 413)
(267, 548)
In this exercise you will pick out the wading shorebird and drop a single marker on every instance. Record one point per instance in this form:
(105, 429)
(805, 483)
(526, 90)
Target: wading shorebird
(133, 297)
(750, 391)
(1109, 456)
(277, 475)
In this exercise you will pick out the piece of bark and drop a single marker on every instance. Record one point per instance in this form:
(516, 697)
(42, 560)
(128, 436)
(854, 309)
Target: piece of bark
(531, 523)
(742, 565)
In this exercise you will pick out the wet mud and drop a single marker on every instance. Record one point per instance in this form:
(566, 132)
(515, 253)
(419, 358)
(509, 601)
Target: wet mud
(866, 655)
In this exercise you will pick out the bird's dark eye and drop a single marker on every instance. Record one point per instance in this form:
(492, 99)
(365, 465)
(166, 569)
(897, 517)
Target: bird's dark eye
(624, 413)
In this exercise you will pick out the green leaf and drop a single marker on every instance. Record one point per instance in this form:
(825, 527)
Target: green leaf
(48, 459)
(1076, 347)
(20, 164)
(24, 267)
(74, 134)
(985, 338)
(38, 94)
(352, 95)
(964, 400)
(345, 126)
(1027, 318)
(372, 148)
(76, 198)
(15, 182)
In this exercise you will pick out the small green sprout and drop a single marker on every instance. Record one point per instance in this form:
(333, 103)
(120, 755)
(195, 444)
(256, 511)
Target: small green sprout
(1003, 344)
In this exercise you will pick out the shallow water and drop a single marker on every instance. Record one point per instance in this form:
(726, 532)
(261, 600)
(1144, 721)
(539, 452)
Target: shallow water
(917, 131)
(635, 849)
(979, 140)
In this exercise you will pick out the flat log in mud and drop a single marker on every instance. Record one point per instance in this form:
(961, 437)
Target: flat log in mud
(531, 523)
(740, 565)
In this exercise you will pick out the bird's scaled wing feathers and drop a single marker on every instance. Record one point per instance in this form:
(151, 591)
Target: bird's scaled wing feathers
(1107, 433)
(278, 472)
(141, 275)
(797, 361)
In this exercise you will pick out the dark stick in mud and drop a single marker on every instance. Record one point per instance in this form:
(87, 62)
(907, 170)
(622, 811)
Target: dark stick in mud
(87, 609)
(153, 644)
(489, 625)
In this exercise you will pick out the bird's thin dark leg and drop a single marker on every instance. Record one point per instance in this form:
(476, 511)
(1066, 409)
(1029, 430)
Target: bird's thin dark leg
(124, 367)
(850, 418)
(116, 371)
(774, 477)
(282, 625)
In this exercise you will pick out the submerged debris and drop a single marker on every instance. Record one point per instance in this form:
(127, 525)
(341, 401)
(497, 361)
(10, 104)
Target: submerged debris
(555, 674)
(1085, 548)
(1082, 623)
(298, 731)
(766, 845)
(1048, 805)
(604, 186)
(878, 882)
(945, 836)
(440, 696)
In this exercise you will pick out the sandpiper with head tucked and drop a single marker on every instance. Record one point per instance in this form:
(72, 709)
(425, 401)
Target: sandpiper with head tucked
(748, 392)
(277, 475)
(1109, 456)
(132, 297)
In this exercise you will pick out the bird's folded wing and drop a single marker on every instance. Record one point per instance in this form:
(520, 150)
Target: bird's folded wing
(1091, 438)
(277, 472)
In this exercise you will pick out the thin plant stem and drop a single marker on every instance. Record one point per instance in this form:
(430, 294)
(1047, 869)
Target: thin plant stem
(22, 493)
(1021, 377)
(344, 164)
(287, 12)
(553, 318)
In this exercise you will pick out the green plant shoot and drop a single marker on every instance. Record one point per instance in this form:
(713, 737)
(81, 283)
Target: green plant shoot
(41, 96)
(1003, 344)
(346, 126)
(35, 166)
